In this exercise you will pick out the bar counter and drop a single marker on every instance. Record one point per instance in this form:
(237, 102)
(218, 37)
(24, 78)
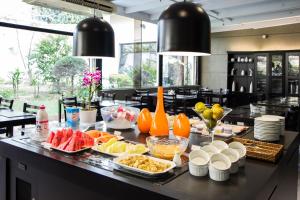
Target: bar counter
(32, 172)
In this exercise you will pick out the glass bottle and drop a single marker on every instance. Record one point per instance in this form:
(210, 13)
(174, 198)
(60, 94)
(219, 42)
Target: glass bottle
(159, 126)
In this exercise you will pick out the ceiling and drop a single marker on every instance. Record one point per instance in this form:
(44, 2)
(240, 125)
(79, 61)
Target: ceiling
(225, 15)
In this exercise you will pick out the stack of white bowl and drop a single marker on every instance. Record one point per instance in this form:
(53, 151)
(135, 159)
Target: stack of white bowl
(217, 159)
(281, 120)
(267, 128)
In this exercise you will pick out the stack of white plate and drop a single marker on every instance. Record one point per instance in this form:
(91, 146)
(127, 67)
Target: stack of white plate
(281, 120)
(267, 128)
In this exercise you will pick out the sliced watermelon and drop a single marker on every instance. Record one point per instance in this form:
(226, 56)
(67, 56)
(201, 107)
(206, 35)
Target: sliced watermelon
(75, 144)
(88, 140)
(57, 139)
(50, 137)
(63, 145)
(65, 136)
(70, 132)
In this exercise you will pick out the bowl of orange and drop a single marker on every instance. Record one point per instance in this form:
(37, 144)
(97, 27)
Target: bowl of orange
(165, 147)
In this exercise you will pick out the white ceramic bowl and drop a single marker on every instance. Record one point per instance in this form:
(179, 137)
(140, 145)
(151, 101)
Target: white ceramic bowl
(234, 157)
(242, 151)
(198, 163)
(219, 167)
(220, 145)
(210, 149)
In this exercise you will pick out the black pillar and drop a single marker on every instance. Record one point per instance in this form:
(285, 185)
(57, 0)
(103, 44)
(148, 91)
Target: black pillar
(99, 67)
(160, 70)
(198, 63)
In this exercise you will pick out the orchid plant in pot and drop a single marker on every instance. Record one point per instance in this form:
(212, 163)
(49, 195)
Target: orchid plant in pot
(91, 81)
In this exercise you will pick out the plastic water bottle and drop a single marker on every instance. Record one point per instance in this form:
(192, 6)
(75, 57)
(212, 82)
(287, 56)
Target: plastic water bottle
(42, 122)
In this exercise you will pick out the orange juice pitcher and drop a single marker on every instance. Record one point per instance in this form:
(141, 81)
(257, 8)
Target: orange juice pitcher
(159, 126)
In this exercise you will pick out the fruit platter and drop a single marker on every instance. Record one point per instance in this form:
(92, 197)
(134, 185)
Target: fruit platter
(117, 148)
(69, 141)
(102, 137)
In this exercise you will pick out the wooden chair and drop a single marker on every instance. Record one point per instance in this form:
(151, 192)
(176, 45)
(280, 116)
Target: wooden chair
(172, 105)
(108, 96)
(32, 109)
(7, 103)
(66, 102)
(141, 96)
(204, 96)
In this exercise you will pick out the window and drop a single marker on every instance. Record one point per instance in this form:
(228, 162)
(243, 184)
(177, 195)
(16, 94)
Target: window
(179, 71)
(37, 67)
(135, 63)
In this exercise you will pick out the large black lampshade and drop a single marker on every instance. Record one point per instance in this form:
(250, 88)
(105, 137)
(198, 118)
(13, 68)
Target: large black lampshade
(94, 37)
(183, 30)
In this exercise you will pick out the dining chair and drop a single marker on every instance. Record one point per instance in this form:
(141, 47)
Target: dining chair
(7, 103)
(141, 96)
(108, 96)
(28, 108)
(172, 105)
(66, 102)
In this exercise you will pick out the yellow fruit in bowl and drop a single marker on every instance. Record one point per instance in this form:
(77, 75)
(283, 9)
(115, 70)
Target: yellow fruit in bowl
(200, 107)
(217, 113)
(211, 123)
(216, 106)
(207, 113)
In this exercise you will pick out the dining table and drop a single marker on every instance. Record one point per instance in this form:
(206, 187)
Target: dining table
(287, 102)
(10, 118)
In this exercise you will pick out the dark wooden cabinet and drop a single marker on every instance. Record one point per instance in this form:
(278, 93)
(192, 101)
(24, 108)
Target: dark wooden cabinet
(293, 73)
(274, 73)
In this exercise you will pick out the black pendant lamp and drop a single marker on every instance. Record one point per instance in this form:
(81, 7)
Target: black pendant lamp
(183, 30)
(94, 37)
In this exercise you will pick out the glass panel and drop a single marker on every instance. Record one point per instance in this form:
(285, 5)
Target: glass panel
(261, 65)
(276, 86)
(293, 65)
(276, 65)
(293, 87)
(37, 67)
(19, 12)
(261, 85)
(135, 61)
(179, 71)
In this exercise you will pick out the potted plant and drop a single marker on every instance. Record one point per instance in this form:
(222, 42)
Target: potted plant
(91, 81)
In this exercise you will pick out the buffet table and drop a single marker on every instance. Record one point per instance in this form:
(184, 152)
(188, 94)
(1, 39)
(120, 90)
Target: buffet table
(32, 172)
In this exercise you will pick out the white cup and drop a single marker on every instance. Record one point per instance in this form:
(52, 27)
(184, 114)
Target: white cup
(242, 151)
(198, 163)
(220, 145)
(234, 157)
(219, 167)
(210, 149)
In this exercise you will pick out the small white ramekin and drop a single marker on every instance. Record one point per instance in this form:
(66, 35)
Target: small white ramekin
(234, 157)
(220, 145)
(242, 151)
(198, 169)
(210, 149)
(216, 172)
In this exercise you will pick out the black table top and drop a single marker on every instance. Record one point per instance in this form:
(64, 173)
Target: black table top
(243, 114)
(289, 102)
(247, 184)
(13, 118)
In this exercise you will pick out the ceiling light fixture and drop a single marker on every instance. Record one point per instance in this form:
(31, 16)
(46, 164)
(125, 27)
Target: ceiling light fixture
(183, 30)
(94, 37)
